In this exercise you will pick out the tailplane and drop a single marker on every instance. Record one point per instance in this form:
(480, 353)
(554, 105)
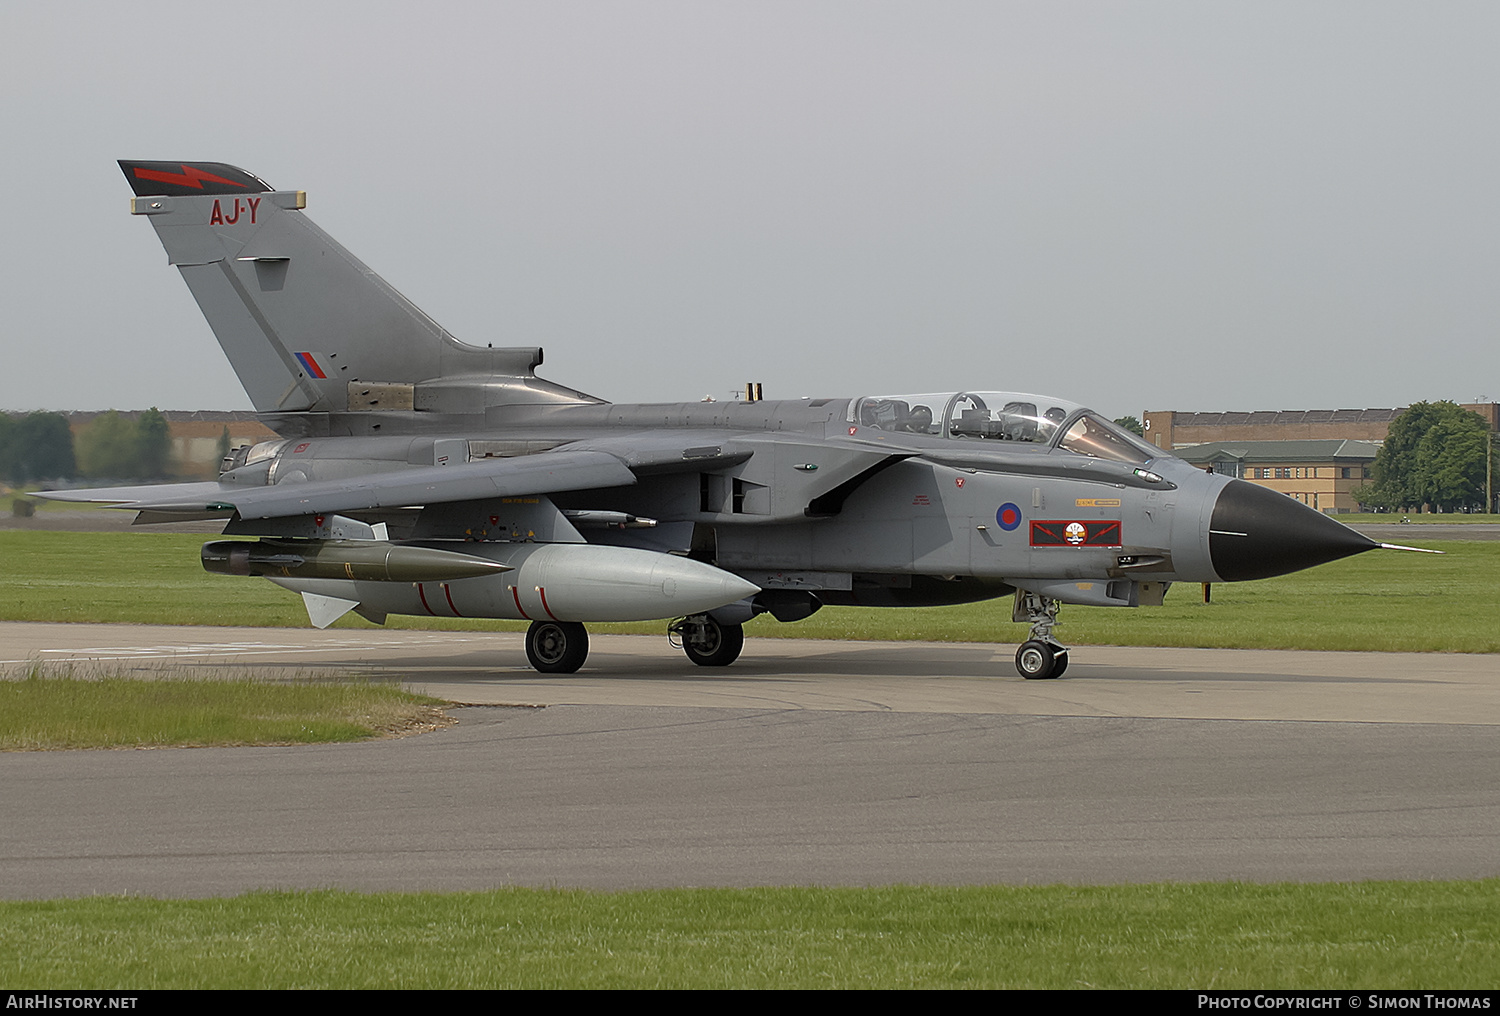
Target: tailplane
(305, 324)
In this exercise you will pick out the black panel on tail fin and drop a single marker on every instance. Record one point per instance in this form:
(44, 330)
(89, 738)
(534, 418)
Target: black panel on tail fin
(190, 178)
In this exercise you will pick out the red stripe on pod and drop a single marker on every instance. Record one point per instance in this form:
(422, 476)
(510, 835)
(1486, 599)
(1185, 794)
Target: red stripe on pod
(516, 594)
(424, 600)
(543, 594)
(449, 594)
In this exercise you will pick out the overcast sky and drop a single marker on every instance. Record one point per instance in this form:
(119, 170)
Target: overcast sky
(1189, 205)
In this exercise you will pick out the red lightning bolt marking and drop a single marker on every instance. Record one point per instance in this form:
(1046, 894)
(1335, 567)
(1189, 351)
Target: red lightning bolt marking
(189, 177)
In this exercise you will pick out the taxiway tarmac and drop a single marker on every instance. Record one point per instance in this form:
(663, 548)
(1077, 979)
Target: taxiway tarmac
(482, 668)
(805, 763)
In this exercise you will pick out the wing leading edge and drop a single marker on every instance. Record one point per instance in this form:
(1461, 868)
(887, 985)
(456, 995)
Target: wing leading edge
(534, 474)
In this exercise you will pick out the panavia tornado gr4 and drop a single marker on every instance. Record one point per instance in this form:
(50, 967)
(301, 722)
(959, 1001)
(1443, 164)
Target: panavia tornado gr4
(417, 474)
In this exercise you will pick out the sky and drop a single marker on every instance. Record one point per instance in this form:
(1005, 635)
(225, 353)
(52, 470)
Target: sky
(1133, 205)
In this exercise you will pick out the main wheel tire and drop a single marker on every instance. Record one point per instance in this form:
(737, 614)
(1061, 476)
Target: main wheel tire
(721, 646)
(1059, 662)
(556, 647)
(1036, 661)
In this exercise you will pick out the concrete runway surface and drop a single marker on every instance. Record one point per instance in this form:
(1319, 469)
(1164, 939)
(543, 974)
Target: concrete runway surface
(807, 762)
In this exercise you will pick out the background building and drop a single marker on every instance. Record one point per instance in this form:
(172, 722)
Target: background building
(196, 436)
(1174, 430)
(1322, 474)
(1318, 456)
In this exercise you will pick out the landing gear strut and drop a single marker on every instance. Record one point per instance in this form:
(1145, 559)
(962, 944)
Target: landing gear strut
(556, 647)
(1039, 657)
(707, 642)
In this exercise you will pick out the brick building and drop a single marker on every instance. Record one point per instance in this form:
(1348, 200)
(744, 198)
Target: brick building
(1318, 456)
(1322, 474)
(1172, 430)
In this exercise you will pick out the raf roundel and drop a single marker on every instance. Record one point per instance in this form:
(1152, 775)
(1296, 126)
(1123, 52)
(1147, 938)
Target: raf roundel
(1008, 517)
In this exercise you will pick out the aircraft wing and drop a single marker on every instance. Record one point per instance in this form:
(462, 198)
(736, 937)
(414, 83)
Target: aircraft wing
(124, 497)
(592, 465)
(532, 474)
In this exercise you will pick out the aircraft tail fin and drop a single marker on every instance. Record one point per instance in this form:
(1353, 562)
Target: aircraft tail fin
(305, 324)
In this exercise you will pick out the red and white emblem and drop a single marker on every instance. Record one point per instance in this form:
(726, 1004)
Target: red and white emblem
(1075, 533)
(959, 480)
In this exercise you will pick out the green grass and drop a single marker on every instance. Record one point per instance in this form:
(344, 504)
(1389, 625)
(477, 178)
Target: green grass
(40, 712)
(1221, 935)
(1415, 518)
(1383, 601)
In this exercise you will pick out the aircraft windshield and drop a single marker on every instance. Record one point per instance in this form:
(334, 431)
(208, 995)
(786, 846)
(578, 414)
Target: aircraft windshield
(262, 451)
(1002, 416)
(1093, 435)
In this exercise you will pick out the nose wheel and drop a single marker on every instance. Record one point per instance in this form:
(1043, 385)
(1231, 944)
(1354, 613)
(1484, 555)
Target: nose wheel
(1039, 661)
(1039, 658)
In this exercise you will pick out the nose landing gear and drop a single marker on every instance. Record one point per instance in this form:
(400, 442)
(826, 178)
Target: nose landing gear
(1039, 658)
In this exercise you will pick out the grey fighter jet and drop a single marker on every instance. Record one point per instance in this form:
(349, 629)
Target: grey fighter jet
(417, 474)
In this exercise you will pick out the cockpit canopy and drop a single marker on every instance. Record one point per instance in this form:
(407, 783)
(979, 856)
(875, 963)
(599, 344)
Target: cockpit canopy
(1003, 416)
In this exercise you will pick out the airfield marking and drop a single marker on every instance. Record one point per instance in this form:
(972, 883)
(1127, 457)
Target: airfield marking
(212, 649)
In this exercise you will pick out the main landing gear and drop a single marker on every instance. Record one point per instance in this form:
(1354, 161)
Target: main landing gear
(707, 642)
(560, 647)
(1039, 657)
(556, 647)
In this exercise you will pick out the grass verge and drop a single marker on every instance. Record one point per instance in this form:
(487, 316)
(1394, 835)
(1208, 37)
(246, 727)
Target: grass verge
(178, 709)
(1416, 518)
(1216, 935)
(1381, 601)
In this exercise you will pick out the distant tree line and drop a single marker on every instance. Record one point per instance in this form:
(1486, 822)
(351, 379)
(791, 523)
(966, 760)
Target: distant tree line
(121, 448)
(36, 446)
(40, 446)
(1434, 455)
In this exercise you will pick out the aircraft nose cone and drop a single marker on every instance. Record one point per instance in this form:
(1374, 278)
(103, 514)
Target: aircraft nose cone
(1256, 532)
